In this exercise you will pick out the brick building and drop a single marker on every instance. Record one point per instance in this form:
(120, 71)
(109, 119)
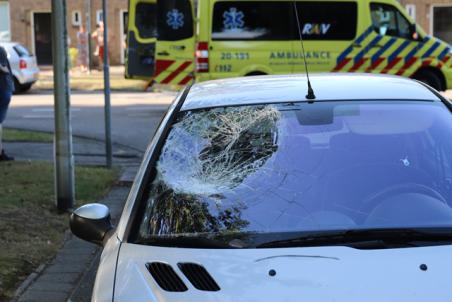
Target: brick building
(434, 16)
(30, 24)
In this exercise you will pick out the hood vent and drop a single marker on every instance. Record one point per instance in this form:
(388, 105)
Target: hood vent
(166, 277)
(199, 276)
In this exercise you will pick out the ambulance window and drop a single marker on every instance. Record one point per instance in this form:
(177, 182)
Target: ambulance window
(251, 20)
(404, 26)
(174, 20)
(388, 21)
(328, 20)
(145, 20)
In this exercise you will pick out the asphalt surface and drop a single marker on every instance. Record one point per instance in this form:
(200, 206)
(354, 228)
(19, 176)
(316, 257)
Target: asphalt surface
(134, 115)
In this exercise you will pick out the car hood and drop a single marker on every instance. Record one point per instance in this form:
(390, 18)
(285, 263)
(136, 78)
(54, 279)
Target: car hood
(302, 274)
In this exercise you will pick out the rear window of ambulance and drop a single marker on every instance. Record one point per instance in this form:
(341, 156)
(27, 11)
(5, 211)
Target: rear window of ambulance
(251, 20)
(174, 20)
(145, 19)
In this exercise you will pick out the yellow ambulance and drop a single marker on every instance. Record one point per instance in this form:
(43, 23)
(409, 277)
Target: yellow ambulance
(213, 39)
(141, 39)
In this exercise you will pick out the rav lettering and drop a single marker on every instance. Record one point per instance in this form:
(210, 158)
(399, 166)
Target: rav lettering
(316, 29)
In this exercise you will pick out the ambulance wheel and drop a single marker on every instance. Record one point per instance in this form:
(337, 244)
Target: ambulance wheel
(430, 77)
(255, 73)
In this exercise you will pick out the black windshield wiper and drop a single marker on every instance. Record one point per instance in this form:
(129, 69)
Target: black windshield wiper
(186, 242)
(367, 238)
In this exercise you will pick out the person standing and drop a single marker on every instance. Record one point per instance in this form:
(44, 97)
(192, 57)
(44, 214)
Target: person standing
(6, 91)
(82, 47)
(98, 35)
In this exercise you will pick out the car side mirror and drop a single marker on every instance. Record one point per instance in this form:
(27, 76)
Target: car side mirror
(413, 32)
(91, 222)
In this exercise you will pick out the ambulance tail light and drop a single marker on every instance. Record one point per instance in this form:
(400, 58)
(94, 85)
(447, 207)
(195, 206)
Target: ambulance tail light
(202, 57)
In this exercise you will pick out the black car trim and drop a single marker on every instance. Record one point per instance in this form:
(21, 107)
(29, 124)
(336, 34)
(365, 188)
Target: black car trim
(309, 102)
(444, 100)
(116, 270)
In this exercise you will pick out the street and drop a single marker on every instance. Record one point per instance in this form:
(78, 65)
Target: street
(134, 114)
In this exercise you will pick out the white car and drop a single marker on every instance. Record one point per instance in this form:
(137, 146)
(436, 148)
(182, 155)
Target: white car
(23, 65)
(250, 191)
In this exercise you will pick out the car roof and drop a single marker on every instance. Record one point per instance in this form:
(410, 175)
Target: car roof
(291, 88)
(8, 44)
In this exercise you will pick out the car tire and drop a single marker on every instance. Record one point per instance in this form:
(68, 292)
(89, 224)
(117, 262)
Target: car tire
(25, 87)
(430, 78)
(255, 73)
(21, 88)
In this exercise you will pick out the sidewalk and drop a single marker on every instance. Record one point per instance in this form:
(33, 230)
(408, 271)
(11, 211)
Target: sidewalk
(70, 275)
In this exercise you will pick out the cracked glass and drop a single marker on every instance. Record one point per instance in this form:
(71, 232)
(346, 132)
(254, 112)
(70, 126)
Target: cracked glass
(294, 167)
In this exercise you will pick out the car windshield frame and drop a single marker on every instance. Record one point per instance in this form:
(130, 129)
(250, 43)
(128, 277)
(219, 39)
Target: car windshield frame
(151, 171)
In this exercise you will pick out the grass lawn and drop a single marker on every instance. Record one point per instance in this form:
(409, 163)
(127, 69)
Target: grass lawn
(31, 230)
(13, 135)
(92, 82)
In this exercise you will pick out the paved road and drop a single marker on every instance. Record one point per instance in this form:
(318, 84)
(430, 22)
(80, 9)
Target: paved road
(135, 115)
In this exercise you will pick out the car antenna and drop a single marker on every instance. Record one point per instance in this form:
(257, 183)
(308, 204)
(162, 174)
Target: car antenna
(310, 95)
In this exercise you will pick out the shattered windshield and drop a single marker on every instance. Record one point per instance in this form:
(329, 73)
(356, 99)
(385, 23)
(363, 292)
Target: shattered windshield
(298, 167)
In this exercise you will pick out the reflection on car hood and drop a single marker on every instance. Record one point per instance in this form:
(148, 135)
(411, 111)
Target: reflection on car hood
(302, 274)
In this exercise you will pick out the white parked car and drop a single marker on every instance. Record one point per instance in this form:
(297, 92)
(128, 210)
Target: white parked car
(251, 192)
(23, 65)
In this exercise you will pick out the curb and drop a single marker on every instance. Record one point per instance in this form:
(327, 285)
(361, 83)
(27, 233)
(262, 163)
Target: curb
(36, 273)
(84, 137)
(128, 174)
(27, 282)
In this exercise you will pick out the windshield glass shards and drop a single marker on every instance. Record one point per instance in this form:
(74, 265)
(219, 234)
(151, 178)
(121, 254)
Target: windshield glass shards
(298, 167)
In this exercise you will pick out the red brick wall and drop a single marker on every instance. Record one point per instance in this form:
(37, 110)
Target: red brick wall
(21, 21)
(423, 9)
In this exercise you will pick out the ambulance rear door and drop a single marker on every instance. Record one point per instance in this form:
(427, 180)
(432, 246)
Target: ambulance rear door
(141, 39)
(175, 42)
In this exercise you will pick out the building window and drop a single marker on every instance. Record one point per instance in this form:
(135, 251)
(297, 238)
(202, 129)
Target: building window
(411, 9)
(441, 23)
(99, 16)
(5, 34)
(76, 18)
